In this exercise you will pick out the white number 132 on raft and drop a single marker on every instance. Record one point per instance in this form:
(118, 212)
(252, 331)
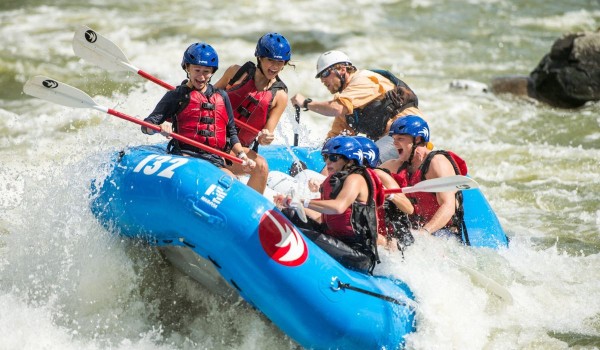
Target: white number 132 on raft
(153, 163)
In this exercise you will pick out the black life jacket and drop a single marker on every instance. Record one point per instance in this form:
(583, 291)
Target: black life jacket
(372, 118)
(364, 215)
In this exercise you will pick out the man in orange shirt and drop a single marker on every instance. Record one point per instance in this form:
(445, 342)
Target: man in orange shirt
(364, 101)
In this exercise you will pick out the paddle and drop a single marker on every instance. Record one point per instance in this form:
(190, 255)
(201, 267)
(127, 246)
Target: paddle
(440, 184)
(54, 91)
(97, 49)
(297, 121)
(487, 283)
(102, 52)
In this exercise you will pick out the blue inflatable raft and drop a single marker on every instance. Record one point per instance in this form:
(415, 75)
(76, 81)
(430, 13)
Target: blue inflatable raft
(202, 218)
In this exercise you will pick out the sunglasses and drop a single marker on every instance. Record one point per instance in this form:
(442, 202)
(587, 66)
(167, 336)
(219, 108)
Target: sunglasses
(332, 157)
(326, 73)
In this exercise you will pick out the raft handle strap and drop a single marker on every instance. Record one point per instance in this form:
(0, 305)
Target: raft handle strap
(342, 285)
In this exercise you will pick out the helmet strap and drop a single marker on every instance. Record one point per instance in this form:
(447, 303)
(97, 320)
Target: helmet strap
(412, 152)
(342, 81)
(259, 66)
(351, 164)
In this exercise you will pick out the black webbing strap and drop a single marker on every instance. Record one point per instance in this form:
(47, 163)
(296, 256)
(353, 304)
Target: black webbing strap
(342, 285)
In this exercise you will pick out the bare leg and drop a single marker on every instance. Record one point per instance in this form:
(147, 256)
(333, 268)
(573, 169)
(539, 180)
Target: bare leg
(258, 176)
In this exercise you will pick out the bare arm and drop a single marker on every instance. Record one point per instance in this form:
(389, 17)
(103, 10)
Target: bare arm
(392, 165)
(440, 167)
(399, 199)
(354, 189)
(279, 105)
(229, 73)
(326, 108)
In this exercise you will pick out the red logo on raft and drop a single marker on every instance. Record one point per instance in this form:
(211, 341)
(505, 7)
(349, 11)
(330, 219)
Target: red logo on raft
(280, 239)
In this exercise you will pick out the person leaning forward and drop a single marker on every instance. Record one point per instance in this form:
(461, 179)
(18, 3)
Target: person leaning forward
(364, 101)
(345, 221)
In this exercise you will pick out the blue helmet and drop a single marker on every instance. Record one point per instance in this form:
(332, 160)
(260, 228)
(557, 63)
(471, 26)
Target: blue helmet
(346, 146)
(200, 54)
(274, 46)
(410, 125)
(370, 151)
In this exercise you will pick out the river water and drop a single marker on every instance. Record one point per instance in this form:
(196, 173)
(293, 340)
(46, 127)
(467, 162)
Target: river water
(67, 283)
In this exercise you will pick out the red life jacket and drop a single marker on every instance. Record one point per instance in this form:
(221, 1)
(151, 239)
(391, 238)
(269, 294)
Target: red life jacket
(425, 203)
(250, 105)
(204, 119)
(337, 225)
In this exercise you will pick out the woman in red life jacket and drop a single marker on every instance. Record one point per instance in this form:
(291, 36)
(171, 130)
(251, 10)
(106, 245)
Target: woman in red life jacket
(434, 213)
(344, 222)
(258, 97)
(199, 111)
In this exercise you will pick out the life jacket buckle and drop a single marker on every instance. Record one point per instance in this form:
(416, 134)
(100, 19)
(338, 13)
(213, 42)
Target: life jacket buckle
(206, 133)
(206, 120)
(209, 106)
(243, 111)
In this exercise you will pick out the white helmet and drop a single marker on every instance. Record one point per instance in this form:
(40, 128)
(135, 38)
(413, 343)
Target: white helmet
(330, 58)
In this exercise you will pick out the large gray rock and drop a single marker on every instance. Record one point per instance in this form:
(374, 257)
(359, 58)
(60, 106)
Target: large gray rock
(567, 77)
